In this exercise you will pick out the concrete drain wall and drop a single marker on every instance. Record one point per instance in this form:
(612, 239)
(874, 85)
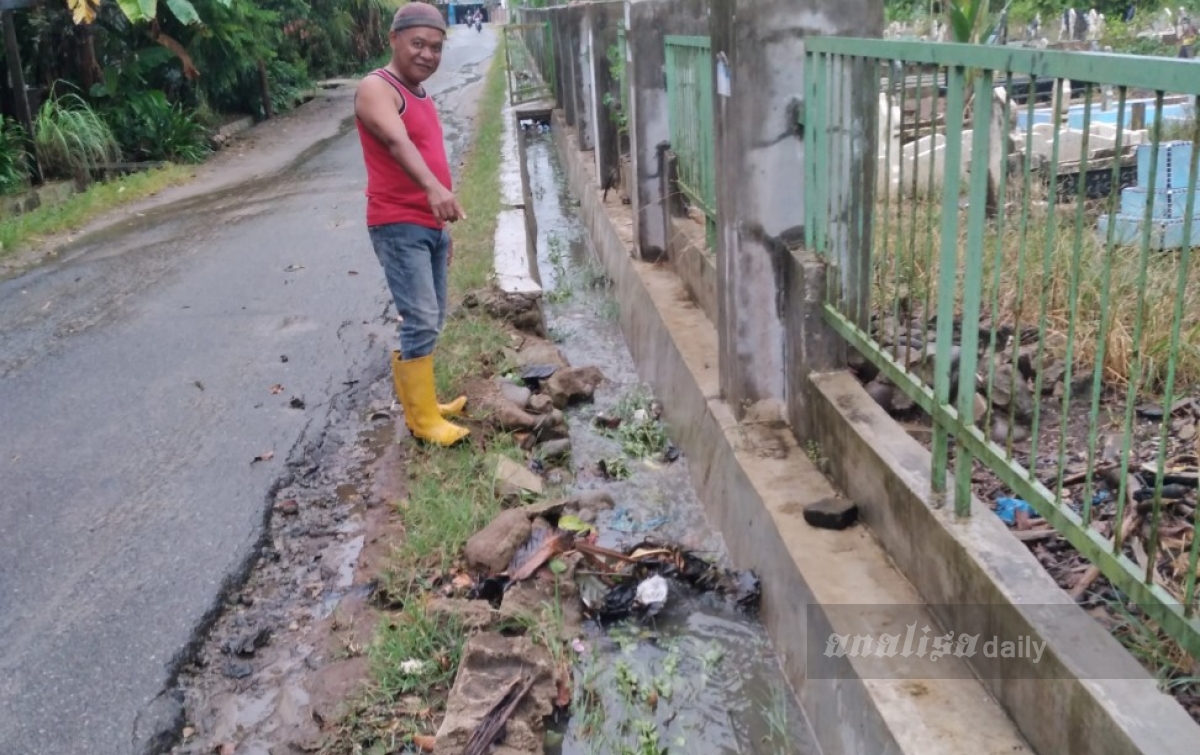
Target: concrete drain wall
(754, 481)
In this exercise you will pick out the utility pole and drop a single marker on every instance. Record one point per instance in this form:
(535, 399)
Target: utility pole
(16, 77)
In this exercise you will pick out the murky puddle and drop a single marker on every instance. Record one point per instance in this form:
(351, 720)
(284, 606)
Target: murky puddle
(701, 674)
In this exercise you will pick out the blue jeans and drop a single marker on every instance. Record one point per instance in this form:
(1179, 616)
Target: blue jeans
(414, 260)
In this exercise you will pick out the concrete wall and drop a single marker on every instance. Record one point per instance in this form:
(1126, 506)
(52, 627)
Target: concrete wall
(605, 19)
(760, 169)
(692, 261)
(580, 20)
(566, 56)
(646, 23)
(1086, 694)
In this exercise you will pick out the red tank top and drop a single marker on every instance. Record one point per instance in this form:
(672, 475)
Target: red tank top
(392, 196)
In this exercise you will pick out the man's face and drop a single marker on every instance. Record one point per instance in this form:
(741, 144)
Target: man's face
(417, 52)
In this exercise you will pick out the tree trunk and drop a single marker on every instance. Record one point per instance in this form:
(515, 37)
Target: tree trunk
(89, 68)
(13, 53)
(264, 86)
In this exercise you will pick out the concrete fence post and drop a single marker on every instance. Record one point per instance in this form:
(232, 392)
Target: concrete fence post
(605, 19)
(556, 16)
(585, 111)
(769, 298)
(647, 22)
(568, 59)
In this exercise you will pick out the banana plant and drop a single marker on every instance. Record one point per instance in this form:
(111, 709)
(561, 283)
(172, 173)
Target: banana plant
(967, 20)
(147, 12)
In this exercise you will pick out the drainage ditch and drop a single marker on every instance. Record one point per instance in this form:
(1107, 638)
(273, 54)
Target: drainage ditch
(700, 673)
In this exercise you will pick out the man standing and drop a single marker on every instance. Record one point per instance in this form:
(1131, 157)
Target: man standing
(409, 201)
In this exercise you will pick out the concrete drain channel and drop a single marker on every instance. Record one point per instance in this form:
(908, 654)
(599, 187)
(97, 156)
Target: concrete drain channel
(697, 673)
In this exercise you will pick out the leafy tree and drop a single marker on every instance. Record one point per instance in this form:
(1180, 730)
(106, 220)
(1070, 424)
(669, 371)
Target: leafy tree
(83, 12)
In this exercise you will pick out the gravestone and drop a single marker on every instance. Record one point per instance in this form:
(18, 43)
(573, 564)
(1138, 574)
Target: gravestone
(1170, 197)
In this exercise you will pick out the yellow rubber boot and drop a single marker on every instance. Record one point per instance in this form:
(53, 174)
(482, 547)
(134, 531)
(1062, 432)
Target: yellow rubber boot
(414, 385)
(453, 409)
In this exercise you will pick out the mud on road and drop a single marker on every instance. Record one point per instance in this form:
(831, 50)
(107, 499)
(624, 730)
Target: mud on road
(286, 653)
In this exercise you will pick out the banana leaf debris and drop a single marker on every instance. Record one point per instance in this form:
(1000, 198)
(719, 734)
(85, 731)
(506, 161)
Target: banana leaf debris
(614, 584)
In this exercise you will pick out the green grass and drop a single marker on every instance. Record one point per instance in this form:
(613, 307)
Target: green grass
(450, 498)
(451, 490)
(83, 207)
(414, 635)
(71, 138)
(473, 337)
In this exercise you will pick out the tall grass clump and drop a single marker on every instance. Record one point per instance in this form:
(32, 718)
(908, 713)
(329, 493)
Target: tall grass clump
(71, 138)
(1037, 263)
(13, 168)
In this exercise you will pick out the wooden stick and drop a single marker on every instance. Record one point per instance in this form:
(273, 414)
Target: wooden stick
(1085, 581)
(491, 724)
(1029, 536)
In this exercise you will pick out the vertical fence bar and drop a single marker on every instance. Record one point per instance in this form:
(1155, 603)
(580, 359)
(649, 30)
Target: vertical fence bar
(820, 155)
(1140, 318)
(810, 152)
(837, 260)
(1105, 317)
(1189, 589)
(947, 268)
(930, 204)
(889, 100)
(994, 347)
(972, 288)
(1047, 261)
(708, 144)
(1073, 292)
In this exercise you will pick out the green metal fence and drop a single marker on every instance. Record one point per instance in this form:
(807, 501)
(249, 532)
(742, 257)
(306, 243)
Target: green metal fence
(622, 67)
(690, 110)
(1008, 234)
(529, 55)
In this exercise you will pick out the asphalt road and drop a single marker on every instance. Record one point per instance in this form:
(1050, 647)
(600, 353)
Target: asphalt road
(135, 381)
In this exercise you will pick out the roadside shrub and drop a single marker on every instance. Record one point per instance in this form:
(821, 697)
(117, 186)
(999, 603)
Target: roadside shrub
(226, 50)
(288, 80)
(151, 128)
(13, 167)
(71, 139)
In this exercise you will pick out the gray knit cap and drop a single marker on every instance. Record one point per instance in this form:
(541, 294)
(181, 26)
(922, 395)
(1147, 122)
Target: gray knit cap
(418, 14)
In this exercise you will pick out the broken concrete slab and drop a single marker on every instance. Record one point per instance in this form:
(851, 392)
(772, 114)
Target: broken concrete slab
(522, 311)
(512, 479)
(490, 662)
(573, 384)
(537, 351)
(472, 614)
(492, 548)
(535, 602)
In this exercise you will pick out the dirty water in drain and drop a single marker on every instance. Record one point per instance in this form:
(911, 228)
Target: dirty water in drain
(700, 675)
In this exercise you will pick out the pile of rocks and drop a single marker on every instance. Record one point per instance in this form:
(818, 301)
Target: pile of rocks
(1004, 398)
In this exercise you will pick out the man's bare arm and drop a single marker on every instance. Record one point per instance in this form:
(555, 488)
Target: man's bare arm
(375, 106)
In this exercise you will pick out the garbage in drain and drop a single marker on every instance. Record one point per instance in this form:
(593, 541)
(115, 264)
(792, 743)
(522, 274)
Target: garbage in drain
(612, 584)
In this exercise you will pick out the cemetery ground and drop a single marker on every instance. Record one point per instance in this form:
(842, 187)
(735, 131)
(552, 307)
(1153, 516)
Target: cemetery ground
(1056, 275)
